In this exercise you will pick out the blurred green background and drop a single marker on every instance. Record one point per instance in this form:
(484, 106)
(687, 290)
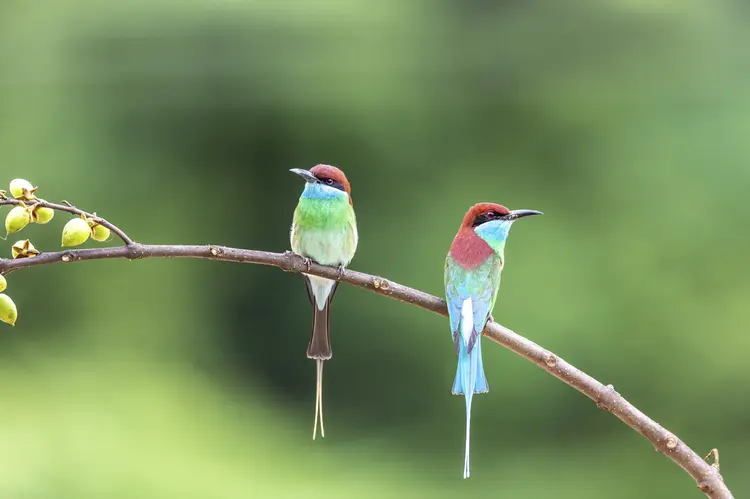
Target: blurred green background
(625, 121)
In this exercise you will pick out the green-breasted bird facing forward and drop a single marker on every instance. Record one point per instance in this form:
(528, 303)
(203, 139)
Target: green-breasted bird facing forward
(324, 230)
(472, 278)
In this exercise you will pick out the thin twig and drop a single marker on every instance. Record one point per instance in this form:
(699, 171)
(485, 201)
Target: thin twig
(715, 454)
(70, 209)
(708, 478)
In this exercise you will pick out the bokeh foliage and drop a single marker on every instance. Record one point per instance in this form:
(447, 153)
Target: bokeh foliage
(624, 121)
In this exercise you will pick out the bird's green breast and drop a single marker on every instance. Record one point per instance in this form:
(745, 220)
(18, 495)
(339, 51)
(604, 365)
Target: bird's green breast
(323, 213)
(325, 230)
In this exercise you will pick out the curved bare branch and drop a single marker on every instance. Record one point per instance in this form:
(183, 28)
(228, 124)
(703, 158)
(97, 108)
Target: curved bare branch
(707, 476)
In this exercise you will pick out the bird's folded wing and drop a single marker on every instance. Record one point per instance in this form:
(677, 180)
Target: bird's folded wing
(479, 285)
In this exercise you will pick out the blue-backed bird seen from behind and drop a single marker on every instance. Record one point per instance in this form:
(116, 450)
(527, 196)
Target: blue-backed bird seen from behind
(324, 230)
(472, 278)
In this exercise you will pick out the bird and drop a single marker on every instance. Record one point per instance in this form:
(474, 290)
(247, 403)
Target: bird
(324, 230)
(472, 278)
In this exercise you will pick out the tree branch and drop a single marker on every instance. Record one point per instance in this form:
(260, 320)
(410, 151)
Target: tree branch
(70, 209)
(707, 476)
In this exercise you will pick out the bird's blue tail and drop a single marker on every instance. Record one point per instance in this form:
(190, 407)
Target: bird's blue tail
(470, 373)
(465, 362)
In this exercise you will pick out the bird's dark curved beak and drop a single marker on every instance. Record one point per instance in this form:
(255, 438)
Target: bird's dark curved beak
(305, 174)
(516, 214)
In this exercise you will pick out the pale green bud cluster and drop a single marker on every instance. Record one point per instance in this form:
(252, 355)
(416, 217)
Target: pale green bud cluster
(78, 230)
(8, 311)
(22, 214)
(30, 209)
(19, 217)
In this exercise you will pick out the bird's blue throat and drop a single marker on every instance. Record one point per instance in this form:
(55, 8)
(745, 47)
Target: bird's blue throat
(495, 233)
(322, 191)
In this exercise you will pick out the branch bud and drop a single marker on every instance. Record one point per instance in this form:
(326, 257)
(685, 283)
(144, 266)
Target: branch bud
(42, 215)
(17, 219)
(20, 188)
(99, 233)
(8, 311)
(76, 232)
(23, 249)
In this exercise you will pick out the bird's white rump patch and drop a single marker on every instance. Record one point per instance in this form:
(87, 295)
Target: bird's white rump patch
(467, 320)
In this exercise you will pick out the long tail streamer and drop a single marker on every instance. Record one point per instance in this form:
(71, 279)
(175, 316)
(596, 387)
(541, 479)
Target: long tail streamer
(319, 400)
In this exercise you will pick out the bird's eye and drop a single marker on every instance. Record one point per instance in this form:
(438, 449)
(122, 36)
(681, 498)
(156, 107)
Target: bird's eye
(328, 181)
(491, 214)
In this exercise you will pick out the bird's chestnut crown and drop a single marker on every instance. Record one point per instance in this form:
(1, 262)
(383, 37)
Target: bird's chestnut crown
(331, 176)
(485, 212)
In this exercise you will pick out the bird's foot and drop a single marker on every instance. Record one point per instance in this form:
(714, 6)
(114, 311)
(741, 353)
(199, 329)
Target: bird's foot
(308, 262)
(490, 318)
(340, 274)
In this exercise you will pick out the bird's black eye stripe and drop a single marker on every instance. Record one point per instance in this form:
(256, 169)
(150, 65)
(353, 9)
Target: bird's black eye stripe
(486, 217)
(332, 183)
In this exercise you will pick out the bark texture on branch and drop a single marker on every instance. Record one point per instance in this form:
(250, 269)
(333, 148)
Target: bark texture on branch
(707, 476)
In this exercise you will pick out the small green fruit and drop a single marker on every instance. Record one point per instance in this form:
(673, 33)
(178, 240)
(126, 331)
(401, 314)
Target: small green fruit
(43, 215)
(17, 219)
(99, 233)
(75, 232)
(3, 283)
(8, 311)
(21, 188)
(23, 249)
